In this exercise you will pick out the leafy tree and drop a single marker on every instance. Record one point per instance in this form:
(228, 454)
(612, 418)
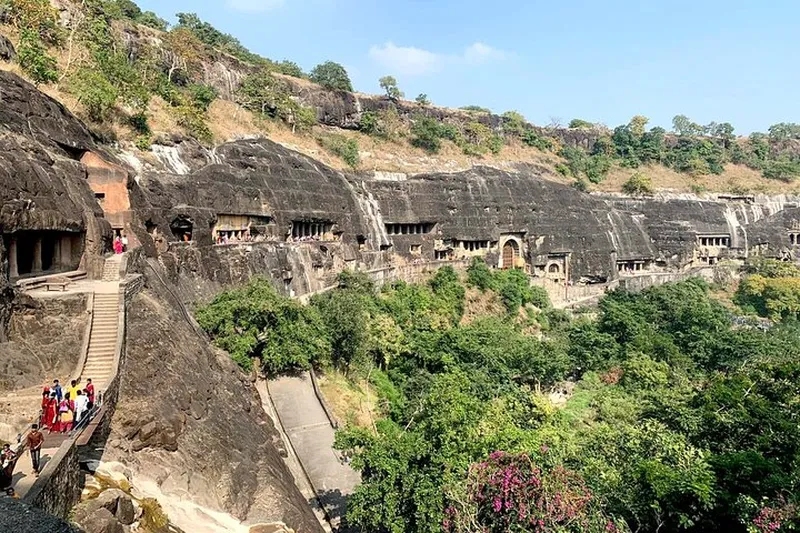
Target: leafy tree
(422, 99)
(784, 131)
(389, 85)
(534, 140)
(577, 123)
(151, 20)
(34, 59)
(255, 321)
(427, 134)
(332, 76)
(187, 51)
(683, 126)
(202, 95)
(95, 92)
(514, 123)
(290, 68)
(638, 124)
(782, 169)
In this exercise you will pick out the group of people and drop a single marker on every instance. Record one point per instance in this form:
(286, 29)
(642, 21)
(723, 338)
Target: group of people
(62, 408)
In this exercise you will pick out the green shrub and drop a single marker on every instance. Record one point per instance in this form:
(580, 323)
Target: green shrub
(577, 123)
(534, 140)
(427, 134)
(95, 92)
(423, 100)
(33, 58)
(332, 76)
(782, 169)
(638, 185)
(343, 147)
(202, 95)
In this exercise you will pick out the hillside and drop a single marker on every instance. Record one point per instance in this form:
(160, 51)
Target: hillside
(138, 82)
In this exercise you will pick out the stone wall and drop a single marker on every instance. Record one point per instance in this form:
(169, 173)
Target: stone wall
(58, 487)
(19, 517)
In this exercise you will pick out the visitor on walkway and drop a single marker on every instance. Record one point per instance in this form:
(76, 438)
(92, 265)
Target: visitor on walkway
(34, 443)
(117, 246)
(66, 416)
(7, 461)
(57, 389)
(89, 389)
(81, 406)
(72, 390)
(49, 411)
(124, 243)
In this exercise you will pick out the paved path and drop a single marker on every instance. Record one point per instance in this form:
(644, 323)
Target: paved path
(311, 436)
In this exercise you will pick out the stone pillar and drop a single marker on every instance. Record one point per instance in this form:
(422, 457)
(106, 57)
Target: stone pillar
(13, 269)
(37, 255)
(66, 251)
(57, 260)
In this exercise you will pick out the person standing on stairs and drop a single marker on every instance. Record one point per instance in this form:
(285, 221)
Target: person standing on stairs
(89, 389)
(57, 390)
(117, 246)
(34, 443)
(81, 406)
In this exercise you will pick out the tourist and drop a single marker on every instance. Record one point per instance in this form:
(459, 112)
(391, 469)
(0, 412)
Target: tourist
(117, 246)
(50, 413)
(34, 443)
(124, 243)
(81, 406)
(57, 390)
(72, 390)
(66, 418)
(89, 389)
(7, 462)
(11, 493)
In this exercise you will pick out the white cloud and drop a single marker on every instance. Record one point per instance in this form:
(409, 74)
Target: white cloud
(406, 60)
(481, 53)
(255, 6)
(413, 61)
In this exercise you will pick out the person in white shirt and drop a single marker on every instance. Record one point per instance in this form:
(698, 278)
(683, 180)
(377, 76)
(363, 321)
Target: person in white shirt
(81, 406)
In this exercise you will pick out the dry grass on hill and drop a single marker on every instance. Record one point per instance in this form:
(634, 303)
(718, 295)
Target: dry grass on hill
(478, 304)
(352, 403)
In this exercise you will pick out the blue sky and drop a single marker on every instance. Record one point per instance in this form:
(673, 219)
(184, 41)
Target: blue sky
(713, 60)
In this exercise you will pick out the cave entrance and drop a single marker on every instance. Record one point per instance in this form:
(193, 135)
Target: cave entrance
(182, 227)
(36, 253)
(510, 253)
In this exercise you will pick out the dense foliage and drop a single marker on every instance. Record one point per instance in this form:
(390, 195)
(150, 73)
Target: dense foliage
(332, 76)
(679, 418)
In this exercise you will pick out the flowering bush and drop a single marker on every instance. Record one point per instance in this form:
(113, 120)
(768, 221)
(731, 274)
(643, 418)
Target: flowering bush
(510, 493)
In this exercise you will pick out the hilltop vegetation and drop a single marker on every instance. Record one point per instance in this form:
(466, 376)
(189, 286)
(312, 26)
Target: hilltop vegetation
(123, 88)
(677, 419)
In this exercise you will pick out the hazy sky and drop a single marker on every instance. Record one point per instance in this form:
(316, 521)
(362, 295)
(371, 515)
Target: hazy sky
(713, 60)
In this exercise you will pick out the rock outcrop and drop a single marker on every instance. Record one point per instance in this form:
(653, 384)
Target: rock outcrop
(192, 423)
(7, 51)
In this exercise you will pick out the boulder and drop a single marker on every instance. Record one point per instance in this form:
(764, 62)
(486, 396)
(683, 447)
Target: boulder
(7, 52)
(101, 521)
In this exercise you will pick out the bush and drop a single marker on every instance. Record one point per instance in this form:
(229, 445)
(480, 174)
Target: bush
(93, 90)
(782, 170)
(423, 100)
(34, 59)
(332, 76)
(427, 134)
(475, 109)
(202, 95)
(290, 68)
(343, 147)
(577, 123)
(534, 140)
(389, 85)
(514, 123)
(638, 185)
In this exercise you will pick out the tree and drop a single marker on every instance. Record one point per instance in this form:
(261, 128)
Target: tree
(187, 51)
(638, 125)
(638, 185)
(683, 126)
(290, 68)
(514, 123)
(423, 100)
(95, 92)
(577, 123)
(35, 61)
(332, 76)
(389, 84)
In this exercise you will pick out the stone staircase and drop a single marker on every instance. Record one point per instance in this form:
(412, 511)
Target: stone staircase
(103, 339)
(111, 268)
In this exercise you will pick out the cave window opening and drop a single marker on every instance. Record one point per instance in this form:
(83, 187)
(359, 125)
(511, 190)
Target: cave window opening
(100, 197)
(421, 228)
(442, 255)
(793, 238)
(554, 269)
(475, 246)
(182, 228)
(151, 227)
(362, 242)
(303, 230)
(416, 249)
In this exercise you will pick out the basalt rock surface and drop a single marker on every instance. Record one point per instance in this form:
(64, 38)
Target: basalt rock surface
(189, 420)
(7, 51)
(18, 517)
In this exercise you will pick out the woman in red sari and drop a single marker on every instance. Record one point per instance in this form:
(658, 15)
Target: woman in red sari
(49, 414)
(117, 246)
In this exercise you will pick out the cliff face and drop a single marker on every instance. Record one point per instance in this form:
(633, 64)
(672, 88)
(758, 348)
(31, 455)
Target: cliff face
(190, 421)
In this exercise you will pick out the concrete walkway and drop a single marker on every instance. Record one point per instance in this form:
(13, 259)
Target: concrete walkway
(311, 435)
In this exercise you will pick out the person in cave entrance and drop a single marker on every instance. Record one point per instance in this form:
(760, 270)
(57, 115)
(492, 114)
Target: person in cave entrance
(117, 245)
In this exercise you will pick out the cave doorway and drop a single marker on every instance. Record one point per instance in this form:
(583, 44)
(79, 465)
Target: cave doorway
(25, 253)
(510, 254)
(182, 228)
